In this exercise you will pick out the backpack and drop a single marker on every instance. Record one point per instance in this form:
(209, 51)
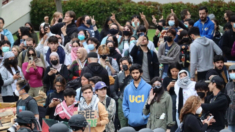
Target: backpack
(74, 84)
(26, 102)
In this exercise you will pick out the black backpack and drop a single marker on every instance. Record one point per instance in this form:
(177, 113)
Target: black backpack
(74, 84)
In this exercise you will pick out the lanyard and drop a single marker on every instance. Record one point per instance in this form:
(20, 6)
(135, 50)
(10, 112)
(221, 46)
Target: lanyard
(80, 64)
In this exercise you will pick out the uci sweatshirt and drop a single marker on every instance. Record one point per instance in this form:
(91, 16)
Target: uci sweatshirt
(133, 103)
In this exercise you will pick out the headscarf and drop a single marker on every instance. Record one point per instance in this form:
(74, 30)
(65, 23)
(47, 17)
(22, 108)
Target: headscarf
(84, 53)
(74, 53)
(58, 66)
(8, 54)
(183, 82)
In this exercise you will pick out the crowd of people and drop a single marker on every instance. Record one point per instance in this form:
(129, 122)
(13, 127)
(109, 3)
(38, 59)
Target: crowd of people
(176, 83)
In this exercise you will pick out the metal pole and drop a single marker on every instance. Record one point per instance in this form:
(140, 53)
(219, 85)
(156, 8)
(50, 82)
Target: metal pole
(58, 6)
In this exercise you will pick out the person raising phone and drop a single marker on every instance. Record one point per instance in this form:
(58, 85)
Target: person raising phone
(33, 72)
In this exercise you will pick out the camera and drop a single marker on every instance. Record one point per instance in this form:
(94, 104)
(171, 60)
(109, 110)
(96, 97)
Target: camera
(13, 128)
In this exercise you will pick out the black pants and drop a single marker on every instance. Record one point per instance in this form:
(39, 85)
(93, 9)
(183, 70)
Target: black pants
(139, 127)
(201, 75)
(13, 98)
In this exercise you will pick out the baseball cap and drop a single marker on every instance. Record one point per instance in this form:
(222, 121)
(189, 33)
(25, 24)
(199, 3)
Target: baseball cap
(92, 55)
(216, 79)
(100, 85)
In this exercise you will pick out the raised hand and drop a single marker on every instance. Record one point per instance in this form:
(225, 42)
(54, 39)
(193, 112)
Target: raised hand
(142, 16)
(113, 17)
(154, 20)
(93, 22)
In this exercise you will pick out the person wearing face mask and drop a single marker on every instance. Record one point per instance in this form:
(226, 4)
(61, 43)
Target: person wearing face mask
(33, 72)
(230, 91)
(92, 44)
(184, 88)
(78, 64)
(82, 36)
(169, 51)
(188, 116)
(6, 32)
(5, 46)
(121, 81)
(26, 102)
(184, 42)
(75, 45)
(146, 58)
(113, 53)
(53, 70)
(108, 63)
(89, 24)
(10, 73)
(202, 52)
(159, 104)
(113, 30)
(218, 69)
(125, 41)
(115, 42)
(202, 90)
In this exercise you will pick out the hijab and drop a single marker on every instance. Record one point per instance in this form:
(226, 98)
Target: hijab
(58, 66)
(84, 54)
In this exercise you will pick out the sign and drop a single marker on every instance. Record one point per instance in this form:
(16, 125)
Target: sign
(91, 116)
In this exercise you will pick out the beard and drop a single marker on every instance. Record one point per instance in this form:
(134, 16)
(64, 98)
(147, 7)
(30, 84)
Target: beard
(203, 19)
(137, 79)
(220, 69)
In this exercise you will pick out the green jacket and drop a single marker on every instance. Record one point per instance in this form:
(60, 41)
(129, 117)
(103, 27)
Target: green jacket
(157, 109)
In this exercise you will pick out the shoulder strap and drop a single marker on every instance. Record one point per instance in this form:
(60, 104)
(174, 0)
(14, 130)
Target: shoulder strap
(108, 100)
(110, 60)
(80, 94)
(27, 101)
(23, 56)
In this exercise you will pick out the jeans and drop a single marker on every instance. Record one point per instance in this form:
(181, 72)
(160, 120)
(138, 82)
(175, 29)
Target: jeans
(177, 118)
(231, 127)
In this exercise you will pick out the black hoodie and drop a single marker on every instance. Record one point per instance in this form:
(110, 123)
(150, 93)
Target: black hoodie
(97, 70)
(217, 107)
(71, 28)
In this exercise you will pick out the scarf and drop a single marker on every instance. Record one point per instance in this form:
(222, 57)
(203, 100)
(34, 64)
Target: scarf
(58, 66)
(74, 53)
(60, 52)
(183, 82)
(92, 106)
(65, 111)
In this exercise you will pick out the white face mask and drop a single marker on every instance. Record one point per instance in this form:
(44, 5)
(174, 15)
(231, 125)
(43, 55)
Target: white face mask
(199, 110)
(16, 92)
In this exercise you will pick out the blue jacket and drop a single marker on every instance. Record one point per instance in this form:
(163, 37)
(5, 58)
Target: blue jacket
(9, 36)
(206, 29)
(133, 103)
(91, 31)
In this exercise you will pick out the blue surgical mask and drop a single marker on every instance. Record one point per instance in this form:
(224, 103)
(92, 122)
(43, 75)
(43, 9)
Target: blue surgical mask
(91, 46)
(133, 24)
(233, 25)
(186, 25)
(232, 75)
(132, 41)
(5, 49)
(171, 23)
(81, 37)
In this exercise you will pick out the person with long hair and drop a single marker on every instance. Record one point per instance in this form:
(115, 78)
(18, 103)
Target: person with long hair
(105, 30)
(172, 22)
(188, 115)
(113, 52)
(33, 34)
(84, 81)
(78, 64)
(115, 42)
(108, 63)
(88, 23)
(53, 70)
(33, 72)
(82, 37)
(73, 53)
(159, 104)
(55, 18)
(168, 84)
(125, 41)
(16, 51)
(22, 32)
(10, 72)
(217, 34)
(56, 97)
(68, 46)
(114, 31)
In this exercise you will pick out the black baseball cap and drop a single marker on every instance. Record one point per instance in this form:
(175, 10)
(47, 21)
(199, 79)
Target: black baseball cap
(92, 55)
(216, 79)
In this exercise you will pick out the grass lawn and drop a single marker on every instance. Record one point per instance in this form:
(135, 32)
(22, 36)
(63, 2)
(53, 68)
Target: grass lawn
(151, 33)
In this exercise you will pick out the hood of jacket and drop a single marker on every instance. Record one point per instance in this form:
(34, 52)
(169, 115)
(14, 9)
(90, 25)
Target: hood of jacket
(95, 68)
(184, 82)
(203, 41)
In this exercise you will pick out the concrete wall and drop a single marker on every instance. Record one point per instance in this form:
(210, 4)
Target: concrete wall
(185, 1)
(15, 14)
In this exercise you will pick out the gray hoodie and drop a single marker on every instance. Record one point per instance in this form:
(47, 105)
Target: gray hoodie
(201, 55)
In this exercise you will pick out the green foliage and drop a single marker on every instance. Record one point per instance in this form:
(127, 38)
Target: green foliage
(123, 9)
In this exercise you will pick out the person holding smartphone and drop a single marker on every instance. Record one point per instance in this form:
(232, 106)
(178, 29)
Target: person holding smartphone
(10, 74)
(33, 72)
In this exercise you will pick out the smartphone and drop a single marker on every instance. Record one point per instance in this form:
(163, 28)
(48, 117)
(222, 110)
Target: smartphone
(173, 81)
(60, 20)
(107, 60)
(210, 118)
(142, 34)
(55, 99)
(17, 72)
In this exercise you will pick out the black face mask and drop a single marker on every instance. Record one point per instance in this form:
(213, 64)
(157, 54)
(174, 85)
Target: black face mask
(54, 62)
(12, 62)
(159, 28)
(126, 33)
(185, 40)
(217, 34)
(113, 31)
(111, 49)
(168, 38)
(156, 90)
(125, 67)
(88, 21)
(103, 56)
(201, 94)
